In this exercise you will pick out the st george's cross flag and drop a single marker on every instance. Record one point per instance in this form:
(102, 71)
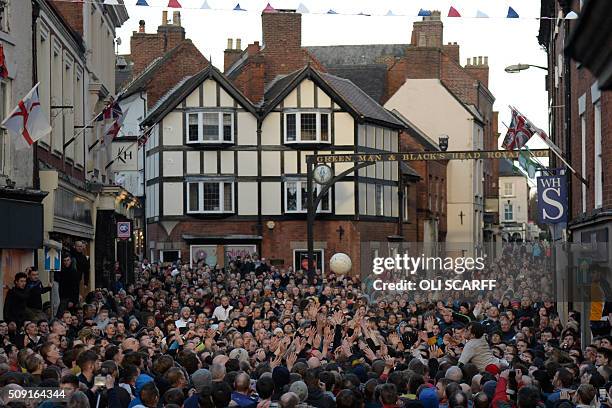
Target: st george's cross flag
(27, 123)
(519, 131)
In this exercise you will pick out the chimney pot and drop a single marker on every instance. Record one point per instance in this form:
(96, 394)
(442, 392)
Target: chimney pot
(141, 26)
(468, 61)
(164, 17)
(230, 43)
(486, 61)
(238, 44)
(480, 60)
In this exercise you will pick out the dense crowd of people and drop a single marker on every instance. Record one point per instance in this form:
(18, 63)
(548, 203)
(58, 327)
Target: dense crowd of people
(253, 335)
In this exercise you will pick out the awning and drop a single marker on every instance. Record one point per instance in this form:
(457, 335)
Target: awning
(21, 218)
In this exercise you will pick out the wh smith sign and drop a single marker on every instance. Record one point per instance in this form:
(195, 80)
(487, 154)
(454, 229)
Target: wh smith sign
(552, 199)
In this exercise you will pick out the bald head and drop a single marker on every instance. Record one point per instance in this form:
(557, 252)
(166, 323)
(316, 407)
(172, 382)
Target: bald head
(476, 383)
(314, 362)
(454, 374)
(242, 382)
(217, 372)
(289, 400)
(220, 359)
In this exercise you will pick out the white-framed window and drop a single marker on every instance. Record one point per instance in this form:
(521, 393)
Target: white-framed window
(5, 15)
(307, 127)
(380, 200)
(210, 197)
(508, 212)
(296, 197)
(598, 167)
(210, 127)
(508, 189)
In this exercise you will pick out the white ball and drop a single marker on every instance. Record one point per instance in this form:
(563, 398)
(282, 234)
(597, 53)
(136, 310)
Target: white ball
(340, 263)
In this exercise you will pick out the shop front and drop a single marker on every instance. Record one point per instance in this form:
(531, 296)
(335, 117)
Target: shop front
(21, 218)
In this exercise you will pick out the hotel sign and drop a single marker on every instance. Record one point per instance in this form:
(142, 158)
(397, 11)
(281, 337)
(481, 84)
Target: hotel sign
(421, 156)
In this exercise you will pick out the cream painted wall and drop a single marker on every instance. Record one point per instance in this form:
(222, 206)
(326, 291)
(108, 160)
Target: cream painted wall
(224, 98)
(172, 165)
(210, 93)
(193, 100)
(270, 129)
(519, 198)
(323, 100)
(247, 198)
(247, 163)
(425, 102)
(345, 198)
(291, 99)
(247, 129)
(307, 93)
(173, 198)
(173, 129)
(193, 162)
(227, 162)
(210, 162)
(271, 198)
(344, 129)
(291, 160)
(270, 163)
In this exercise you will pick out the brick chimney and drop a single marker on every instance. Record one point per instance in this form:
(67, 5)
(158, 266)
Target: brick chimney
(282, 31)
(428, 32)
(147, 47)
(478, 68)
(231, 54)
(452, 50)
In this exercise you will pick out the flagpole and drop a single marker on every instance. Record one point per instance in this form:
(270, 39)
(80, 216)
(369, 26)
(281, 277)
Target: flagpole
(110, 163)
(553, 148)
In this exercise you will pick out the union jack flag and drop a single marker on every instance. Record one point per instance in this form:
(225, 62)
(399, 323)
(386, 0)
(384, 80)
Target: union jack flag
(519, 131)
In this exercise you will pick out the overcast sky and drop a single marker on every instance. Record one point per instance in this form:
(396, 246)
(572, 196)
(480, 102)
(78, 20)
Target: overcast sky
(504, 41)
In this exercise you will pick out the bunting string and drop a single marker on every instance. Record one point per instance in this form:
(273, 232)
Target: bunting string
(452, 13)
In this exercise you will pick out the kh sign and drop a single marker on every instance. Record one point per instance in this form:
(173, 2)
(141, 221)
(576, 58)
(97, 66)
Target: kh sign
(552, 199)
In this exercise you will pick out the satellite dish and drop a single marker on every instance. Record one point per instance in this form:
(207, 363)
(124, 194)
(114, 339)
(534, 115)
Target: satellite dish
(118, 40)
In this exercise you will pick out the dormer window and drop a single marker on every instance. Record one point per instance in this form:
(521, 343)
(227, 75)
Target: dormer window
(210, 127)
(307, 127)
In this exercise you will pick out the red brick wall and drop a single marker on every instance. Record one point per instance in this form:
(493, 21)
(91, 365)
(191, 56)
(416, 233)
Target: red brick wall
(452, 50)
(277, 243)
(230, 57)
(282, 31)
(186, 61)
(429, 32)
(72, 13)
(144, 49)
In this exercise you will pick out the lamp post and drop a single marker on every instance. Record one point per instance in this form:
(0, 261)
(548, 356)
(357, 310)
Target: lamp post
(513, 69)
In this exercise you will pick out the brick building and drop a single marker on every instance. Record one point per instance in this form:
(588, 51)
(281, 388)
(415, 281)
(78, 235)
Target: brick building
(382, 69)
(580, 124)
(580, 112)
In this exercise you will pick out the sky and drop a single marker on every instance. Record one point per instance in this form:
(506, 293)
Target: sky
(504, 41)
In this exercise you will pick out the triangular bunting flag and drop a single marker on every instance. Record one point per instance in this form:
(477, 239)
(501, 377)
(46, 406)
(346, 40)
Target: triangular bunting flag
(424, 13)
(452, 12)
(302, 9)
(205, 5)
(512, 13)
(142, 3)
(480, 14)
(269, 9)
(238, 8)
(111, 2)
(331, 12)
(389, 13)
(174, 4)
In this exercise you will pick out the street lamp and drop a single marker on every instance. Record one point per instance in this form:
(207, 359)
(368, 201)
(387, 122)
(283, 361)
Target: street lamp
(512, 69)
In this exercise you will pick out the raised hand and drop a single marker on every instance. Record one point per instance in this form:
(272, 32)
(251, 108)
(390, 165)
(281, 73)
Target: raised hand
(291, 359)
